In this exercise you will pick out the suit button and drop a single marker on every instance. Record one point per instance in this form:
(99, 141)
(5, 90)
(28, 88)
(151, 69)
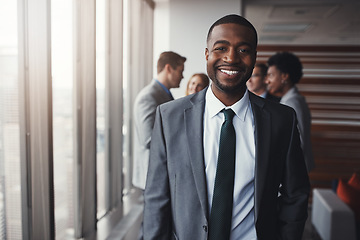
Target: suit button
(205, 228)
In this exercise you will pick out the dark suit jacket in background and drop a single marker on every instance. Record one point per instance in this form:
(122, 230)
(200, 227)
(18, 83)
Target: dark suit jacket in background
(176, 204)
(272, 97)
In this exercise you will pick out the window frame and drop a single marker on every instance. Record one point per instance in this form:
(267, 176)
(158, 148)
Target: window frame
(35, 91)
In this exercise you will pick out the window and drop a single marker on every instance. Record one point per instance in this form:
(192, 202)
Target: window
(62, 80)
(63, 122)
(10, 189)
(101, 128)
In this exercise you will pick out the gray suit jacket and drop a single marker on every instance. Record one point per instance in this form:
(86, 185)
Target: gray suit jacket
(144, 117)
(176, 194)
(295, 100)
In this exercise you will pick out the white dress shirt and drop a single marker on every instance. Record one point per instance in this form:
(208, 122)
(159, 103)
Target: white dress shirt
(243, 227)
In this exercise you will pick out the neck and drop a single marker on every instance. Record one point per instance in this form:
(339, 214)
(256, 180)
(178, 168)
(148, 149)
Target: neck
(260, 92)
(161, 78)
(228, 98)
(286, 88)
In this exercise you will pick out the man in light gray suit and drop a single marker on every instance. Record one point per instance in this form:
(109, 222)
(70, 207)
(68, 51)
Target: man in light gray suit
(271, 185)
(284, 72)
(170, 67)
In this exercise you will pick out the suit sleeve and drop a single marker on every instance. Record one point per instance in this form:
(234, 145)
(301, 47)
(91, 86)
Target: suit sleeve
(295, 189)
(300, 117)
(157, 223)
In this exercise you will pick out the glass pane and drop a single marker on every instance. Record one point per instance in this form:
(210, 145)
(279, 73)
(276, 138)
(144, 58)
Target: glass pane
(127, 169)
(101, 160)
(62, 74)
(10, 189)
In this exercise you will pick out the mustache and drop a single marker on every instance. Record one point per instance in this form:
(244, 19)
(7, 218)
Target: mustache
(235, 66)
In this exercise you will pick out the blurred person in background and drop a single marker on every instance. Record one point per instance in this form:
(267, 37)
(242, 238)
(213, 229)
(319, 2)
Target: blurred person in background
(196, 83)
(170, 67)
(257, 82)
(284, 72)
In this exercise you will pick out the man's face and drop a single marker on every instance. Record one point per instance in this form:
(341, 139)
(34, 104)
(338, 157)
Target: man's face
(274, 81)
(230, 56)
(256, 83)
(176, 75)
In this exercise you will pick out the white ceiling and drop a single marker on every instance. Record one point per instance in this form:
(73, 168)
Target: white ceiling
(302, 22)
(306, 22)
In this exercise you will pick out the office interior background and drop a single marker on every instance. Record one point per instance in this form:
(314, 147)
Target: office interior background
(70, 71)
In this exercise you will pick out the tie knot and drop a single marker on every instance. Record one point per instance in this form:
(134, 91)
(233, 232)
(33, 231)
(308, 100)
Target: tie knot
(229, 114)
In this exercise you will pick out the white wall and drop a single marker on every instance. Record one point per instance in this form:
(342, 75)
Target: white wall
(182, 26)
(161, 31)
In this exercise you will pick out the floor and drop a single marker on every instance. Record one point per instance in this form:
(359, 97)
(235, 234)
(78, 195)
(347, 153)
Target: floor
(129, 226)
(309, 231)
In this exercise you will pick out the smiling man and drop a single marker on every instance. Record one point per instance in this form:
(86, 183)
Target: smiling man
(225, 163)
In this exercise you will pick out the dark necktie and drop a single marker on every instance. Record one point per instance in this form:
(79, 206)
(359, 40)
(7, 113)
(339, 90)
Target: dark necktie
(222, 202)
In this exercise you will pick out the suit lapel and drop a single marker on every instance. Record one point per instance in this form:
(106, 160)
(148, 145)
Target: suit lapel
(194, 131)
(262, 121)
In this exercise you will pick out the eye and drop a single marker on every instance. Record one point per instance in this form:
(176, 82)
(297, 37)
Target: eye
(244, 50)
(220, 49)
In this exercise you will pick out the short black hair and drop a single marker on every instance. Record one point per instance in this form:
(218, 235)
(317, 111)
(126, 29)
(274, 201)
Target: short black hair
(233, 18)
(288, 63)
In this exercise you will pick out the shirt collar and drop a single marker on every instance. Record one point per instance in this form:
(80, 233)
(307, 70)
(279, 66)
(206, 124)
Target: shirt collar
(263, 95)
(214, 105)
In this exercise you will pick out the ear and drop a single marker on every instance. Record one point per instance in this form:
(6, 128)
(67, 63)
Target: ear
(168, 68)
(284, 77)
(206, 54)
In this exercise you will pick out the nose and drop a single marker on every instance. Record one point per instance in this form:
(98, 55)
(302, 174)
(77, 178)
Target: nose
(231, 55)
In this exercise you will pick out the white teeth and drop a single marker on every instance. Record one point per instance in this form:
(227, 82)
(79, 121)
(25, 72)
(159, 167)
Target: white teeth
(229, 72)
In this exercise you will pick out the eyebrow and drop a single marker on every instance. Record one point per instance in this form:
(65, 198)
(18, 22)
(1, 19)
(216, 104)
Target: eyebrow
(221, 42)
(228, 43)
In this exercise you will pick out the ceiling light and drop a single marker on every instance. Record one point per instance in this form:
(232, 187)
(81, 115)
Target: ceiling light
(286, 27)
(276, 38)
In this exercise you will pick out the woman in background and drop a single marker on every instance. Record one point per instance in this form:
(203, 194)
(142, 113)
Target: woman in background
(196, 83)
(284, 72)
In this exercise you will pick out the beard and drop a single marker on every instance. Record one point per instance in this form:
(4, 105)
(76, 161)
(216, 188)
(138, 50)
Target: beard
(229, 89)
(234, 89)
